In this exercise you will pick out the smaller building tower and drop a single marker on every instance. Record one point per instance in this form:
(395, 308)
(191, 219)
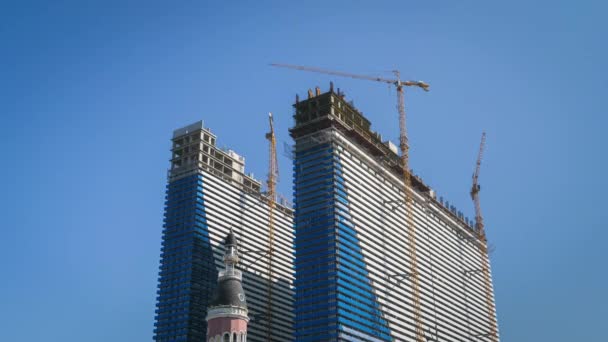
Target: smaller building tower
(227, 313)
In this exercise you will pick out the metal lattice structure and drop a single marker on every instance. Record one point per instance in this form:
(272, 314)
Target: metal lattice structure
(479, 225)
(273, 173)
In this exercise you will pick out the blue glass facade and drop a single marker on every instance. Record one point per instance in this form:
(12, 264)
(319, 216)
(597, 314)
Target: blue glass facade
(208, 194)
(187, 272)
(334, 297)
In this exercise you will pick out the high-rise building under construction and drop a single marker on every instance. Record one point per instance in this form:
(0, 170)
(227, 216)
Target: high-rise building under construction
(352, 275)
(208, 194)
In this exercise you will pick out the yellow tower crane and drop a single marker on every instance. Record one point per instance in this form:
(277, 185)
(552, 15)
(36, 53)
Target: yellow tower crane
(479, 225)
(404, 147)
(273, 174)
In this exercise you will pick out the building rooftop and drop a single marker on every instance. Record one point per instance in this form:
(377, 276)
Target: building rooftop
(194, 148)
(331, 109)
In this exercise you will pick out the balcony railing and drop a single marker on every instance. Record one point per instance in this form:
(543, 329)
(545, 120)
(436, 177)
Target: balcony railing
(231, 273)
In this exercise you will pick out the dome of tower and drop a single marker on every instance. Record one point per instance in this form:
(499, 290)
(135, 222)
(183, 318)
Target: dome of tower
(230, 239)
(229, 292)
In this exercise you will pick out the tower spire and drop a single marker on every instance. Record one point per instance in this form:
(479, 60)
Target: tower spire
(227, 314)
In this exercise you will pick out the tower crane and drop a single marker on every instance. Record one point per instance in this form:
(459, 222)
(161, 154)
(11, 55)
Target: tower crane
(408, 196)
(273, 174)
(479, 225)
(475, 188)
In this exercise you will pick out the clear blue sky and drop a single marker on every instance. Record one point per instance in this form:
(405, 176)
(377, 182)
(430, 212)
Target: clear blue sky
(90, 93)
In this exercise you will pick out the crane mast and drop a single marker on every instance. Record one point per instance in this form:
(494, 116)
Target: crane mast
(408, 195)
(273, 173)
(479, 225)
(409, 214)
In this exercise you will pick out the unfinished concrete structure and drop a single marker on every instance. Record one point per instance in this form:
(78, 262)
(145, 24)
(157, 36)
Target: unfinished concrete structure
(208, 193)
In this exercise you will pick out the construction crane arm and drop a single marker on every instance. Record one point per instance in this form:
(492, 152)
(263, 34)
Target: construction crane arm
(425, 86)
(336, 73)
(396, 82)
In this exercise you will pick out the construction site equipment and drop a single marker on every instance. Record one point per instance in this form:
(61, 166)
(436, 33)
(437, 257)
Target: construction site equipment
(479, 225)
(407, 177)
(273, 174)
(475, 188)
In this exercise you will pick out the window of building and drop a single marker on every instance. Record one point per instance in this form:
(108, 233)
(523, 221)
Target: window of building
(226, 337)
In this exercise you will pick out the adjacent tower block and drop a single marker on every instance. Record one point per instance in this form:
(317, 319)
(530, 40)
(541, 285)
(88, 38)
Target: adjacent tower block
(208, 193)
(352, 256)
(227, 314)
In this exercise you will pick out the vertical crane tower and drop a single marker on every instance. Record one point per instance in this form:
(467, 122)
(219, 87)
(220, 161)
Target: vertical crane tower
(479, 225)
(408, 195)
(273, 174)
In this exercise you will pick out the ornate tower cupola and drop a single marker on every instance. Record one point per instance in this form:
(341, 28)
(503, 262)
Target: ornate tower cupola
(227, 314)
